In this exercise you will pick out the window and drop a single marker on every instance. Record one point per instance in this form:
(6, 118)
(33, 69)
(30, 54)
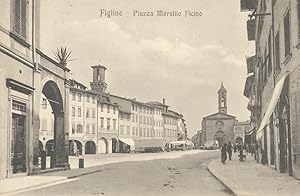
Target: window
(132, 117)
(44, 103)
(108, 123)
(102, 122)
(128, 130)
(93, 99)
(73, 111)
(87, 128)
(19, 22)
(287, 41)
(87, 113)
(79, 97)
(73, 128)
(101, 107)
(108, 108)
(114, 124)
(44, 125)
(18, 106)
(79, 112)
(79, 128)
(122, 129)
(114, 109)
(93, 113)
(73, 96)
(277, 53)
(93, 129)
(269, 55)
(88, 98)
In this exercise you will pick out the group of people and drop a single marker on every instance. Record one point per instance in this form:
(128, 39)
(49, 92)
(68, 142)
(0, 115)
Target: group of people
(241, 149)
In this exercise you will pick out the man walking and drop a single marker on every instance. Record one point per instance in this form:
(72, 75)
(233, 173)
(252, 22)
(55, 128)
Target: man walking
(229, 150)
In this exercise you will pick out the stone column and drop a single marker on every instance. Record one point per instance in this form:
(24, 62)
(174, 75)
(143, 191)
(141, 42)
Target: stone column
(83, 148)
(59, 136)
(109, 146)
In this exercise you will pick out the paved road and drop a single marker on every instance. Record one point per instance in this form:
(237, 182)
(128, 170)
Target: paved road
(187, 175)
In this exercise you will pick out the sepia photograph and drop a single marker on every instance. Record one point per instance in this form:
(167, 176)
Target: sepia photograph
(150, 97)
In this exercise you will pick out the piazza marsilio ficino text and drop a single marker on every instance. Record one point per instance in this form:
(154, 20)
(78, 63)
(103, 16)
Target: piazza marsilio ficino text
(108, 13)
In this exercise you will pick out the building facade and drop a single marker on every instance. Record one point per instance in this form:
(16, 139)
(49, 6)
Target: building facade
(27, 77)
(104, 123)
(272, 84)
(218, 127)
(222, 127)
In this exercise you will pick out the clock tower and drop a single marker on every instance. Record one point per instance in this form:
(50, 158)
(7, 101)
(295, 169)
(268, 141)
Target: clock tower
(222, 100)
(98, 83)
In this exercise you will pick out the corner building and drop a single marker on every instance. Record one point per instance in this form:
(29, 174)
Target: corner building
(26, 76)
(272, 85)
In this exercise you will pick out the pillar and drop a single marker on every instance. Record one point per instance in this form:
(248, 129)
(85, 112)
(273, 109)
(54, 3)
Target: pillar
(109, 146)
(59, 136)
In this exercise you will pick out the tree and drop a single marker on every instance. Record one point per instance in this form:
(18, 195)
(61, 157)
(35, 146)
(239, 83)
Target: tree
(62, 55)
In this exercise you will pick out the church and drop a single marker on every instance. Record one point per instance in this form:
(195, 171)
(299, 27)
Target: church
(219, 127)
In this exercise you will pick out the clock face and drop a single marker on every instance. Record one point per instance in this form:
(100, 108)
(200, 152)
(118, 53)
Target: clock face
(220, 124)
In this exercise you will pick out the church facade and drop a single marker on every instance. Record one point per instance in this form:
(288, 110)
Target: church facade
(219, 127)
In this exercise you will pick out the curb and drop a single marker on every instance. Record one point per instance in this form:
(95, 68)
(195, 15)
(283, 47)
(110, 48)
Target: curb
(84, 173)
(222, 182)
(30, 187)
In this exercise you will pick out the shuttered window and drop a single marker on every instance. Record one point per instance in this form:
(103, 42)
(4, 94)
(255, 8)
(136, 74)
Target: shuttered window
(287, 42)
(19, 26)
(270, 56)
(277, 53)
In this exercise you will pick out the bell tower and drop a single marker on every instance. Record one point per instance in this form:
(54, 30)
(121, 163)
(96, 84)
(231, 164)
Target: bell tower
(222, 99)
(98, 83)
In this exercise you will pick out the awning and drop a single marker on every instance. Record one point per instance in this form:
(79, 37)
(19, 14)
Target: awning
(272, 103)
(127, 141)
(148, 143)
(250, 131)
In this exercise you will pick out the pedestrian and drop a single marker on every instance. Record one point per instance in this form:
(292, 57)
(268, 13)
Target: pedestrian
(229, 150)
(224, 153)
(234, 148)
(241, 151)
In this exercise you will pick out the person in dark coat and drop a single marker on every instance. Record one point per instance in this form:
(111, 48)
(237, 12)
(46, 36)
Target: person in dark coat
(229, 150)
(224, 153)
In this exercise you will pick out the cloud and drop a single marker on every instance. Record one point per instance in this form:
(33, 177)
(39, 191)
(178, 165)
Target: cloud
(151, 67)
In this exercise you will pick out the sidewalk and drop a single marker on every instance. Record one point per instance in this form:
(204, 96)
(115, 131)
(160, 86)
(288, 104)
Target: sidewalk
(250, 178)
(92, 162)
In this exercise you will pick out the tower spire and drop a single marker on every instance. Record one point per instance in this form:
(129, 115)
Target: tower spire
(222, 99)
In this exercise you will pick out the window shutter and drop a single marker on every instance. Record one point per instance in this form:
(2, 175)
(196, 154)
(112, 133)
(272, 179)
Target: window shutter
(23, 18)
(287, 33)
(19, 26)
(17, 16)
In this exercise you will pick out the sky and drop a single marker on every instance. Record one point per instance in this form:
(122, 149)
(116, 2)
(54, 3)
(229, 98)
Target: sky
(182, 59)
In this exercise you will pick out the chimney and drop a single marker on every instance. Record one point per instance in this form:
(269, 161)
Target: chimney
(164, 101)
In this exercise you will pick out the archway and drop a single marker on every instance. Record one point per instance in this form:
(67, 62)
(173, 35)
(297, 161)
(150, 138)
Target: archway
(102, 145)
(75, 146)
(90, 147)
(49, 147)
(115, 145)
(238, 140)
(219, 136)
(58, 149)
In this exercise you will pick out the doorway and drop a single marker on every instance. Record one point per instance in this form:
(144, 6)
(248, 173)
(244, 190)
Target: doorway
(18, 144)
